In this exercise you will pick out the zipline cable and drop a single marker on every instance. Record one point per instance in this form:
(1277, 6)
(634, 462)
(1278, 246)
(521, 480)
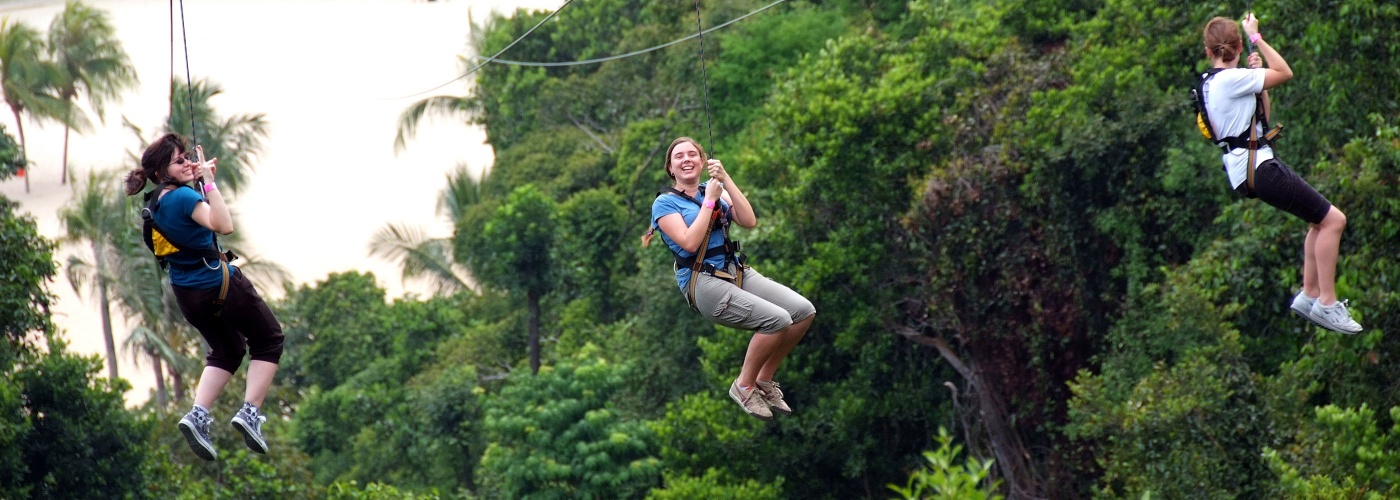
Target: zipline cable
(636, 52)
(493, 57)
(508, 62)
(704, 79)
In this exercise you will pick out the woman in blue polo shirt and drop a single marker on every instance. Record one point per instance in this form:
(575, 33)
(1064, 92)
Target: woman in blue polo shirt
(214, 297)
(778, 316)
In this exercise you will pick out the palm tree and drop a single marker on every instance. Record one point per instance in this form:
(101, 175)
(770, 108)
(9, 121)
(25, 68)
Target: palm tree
(431, 258)
(90, 218)
(435, 106)
(90, 59)
(27, 80)
(236, 141)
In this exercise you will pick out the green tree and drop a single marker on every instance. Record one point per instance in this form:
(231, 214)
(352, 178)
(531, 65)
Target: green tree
(1341, 454)
(942, 478)
(89, 219)
(28, 258)
(27, 79)
(510, 248)
(554, 435)
(11, 161)
(65, 432)
(431, 258)
(332, 330)
(237, 141)
(90, 59)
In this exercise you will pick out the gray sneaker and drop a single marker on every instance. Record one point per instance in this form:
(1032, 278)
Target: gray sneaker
(249, 423)
(1335, 317)
(1302, 306)
(773, 395)
(195, 426)
(751, 400)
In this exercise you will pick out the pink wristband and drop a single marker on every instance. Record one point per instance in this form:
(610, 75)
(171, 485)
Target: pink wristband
(1255, 38)
(209, 187)
(709, 204)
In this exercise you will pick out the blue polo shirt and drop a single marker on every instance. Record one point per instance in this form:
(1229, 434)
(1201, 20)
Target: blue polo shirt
(667, 204)
(174, 215)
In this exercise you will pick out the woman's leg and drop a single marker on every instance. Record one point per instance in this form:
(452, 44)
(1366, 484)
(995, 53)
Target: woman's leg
(210, 384)
(260, 375)
(1320, 256)
(789, 340)
(762, 348)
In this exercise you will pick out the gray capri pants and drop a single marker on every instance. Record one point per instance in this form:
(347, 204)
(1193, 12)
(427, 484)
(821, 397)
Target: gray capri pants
(762, 305)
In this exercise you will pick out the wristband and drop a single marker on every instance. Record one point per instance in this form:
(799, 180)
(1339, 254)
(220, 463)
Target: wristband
(209, 187)
(709, 204)
(1255, 38)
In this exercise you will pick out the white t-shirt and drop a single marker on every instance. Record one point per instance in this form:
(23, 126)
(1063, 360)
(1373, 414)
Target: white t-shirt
(1229, 97)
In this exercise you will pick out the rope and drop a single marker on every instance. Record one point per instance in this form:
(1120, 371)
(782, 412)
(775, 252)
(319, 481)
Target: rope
(189, 83)
(171, 109)
(493, 57)
(704, 79)
(508, 62)
(637, 52)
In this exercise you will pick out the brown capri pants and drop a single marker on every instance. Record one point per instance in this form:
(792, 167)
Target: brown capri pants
(245, 325)
(762, 305)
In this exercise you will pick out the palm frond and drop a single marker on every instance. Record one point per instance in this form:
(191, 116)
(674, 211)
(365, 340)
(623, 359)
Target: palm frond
(419, 257)
(436, 106)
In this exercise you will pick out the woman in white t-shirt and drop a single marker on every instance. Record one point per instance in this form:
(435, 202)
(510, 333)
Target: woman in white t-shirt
(1229, 97)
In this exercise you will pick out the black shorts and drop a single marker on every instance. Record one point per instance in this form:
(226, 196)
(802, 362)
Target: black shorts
(1279, 186)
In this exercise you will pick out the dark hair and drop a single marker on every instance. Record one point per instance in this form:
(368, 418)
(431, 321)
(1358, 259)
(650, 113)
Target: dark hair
(667, 161)
(153, 162)
(1223, 38)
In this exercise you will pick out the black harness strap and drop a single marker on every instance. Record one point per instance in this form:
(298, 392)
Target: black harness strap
(1248, 140)
(149, 226)
(696, 263)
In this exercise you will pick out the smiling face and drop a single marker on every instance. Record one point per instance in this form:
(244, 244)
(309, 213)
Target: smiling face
(685, 161)
(180, 169)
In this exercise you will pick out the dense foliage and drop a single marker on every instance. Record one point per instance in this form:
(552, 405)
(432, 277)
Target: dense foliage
(1002, 211)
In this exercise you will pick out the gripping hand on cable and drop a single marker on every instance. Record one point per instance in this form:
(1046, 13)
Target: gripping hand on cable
(214, 214)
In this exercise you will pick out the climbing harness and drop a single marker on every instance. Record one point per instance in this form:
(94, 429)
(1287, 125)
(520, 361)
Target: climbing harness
(1249, 141)
(734, 259)
(163, 247)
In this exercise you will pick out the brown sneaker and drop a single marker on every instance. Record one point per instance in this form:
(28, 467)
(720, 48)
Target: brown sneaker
(751, 400)
(774, 397)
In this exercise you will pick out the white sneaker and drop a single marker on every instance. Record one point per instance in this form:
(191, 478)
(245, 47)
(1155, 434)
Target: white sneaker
(1334, 317)
(1302, 306)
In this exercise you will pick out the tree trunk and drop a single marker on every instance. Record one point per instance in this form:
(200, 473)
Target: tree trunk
(1012, 457)
(106, 304)
(177, 383)
(23, 150)
(64, 179)
(534, 300)
(161, 398)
